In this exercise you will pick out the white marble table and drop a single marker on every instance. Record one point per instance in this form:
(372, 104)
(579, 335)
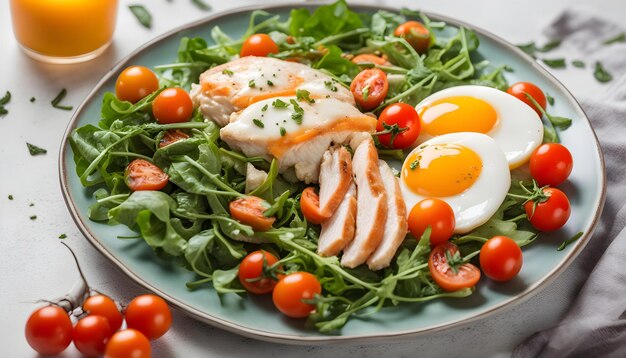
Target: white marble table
(33, 265)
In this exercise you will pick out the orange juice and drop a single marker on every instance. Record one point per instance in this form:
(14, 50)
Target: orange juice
(63, 28)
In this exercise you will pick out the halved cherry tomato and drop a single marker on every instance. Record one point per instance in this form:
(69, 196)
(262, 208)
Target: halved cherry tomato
(551, 214)
(435, 213)
(443, 272)
(258, 45)
(369, 58)
(128, 343)
(150, 315)
(49, 330)
(172, 136)
(253, 273)
(416, 34)
(551, 164)
(518, 90)
(172, 105)
(134, 83)
(249, 211)
(310, 206)
(403, 124)
(101, 305)
(501, 258)
(142, 175)
(292, 289)
(91, 334)
(369, 88)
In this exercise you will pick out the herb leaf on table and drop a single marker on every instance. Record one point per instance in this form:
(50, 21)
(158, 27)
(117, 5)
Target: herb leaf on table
(35, 150)
(142, 15)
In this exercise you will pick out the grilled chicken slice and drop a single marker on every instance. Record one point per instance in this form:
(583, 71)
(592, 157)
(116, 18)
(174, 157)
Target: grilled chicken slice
(296, 132)
(338, 230)
(396, 224)
(335, 179)
(235, 85)
(371, 206)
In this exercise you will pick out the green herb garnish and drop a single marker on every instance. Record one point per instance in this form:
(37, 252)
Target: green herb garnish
(414, 164)
(270, 83)
(57, 100)
(251, 84)
(365, 91)
(615, 39)
(258, 123)
(550, 99)
(10, 197)
(33, 217)
(4, 100)
(578, 64)
(35, 150)
(264, 108)
(62, 236)
(142, 15)
(283, 131)
(280, 104)
(201, 5)
(555, 63)
(304, 95)
(330, 85)
(569, 241)
(601, 74)
(32, 99)
(228, 72)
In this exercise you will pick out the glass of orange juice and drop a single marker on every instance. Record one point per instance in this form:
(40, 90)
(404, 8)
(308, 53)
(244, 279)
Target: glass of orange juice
(63, 31)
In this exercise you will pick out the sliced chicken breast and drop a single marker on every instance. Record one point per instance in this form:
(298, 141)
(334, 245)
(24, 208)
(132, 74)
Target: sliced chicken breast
(335, 179)
(338, 230)
(237, 84)
(396, 224)
(371, 206)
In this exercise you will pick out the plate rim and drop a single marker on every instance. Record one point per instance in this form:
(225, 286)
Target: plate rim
(236, 328)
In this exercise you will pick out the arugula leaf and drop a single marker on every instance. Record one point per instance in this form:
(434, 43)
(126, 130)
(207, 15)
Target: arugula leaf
(142, 15)
(335, 63)
(601, 74)
(561, 123)
(35, 150)
(326, 20)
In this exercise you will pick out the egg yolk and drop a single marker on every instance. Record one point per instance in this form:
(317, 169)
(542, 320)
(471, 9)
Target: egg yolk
(441, 170)
(458, 114)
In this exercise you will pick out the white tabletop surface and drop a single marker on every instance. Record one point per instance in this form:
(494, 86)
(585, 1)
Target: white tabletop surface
(33, 265)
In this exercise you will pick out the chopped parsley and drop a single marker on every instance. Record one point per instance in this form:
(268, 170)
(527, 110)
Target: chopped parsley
(4, 100)
(299, 112)
(264, 108)
(601, 74)
(201, 5)
(283, 131)
(62, 236)
(578, 63)
(330, 85)
(33, 217)
(10, 197)
(258, 123)
(251, 84)
(555, 63)
(304, 95)
(414, 164)
(35, 150)
(228, 72)
(550, 99)
(270, 83)
(57, 100)
(365, 91)
(280, 104)
(615, 39)
(32, 99)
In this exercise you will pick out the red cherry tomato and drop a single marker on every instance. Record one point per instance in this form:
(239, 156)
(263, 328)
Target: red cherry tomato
(150, 315)
(369, 58)
(416, 34)
(142, 175)
(251, 273)
(172, 105)
(310, 206)
(291, 290)
(249, 211)
(501, 258)
(134, 83)
(435, 213)
(128, 343)
(551, 214)
(101, 305)
(535, 92)
(369, 88)
(91, 334)
(258, 45)
(403, 122)
(551, 164)
(466, 275)
(49, 330)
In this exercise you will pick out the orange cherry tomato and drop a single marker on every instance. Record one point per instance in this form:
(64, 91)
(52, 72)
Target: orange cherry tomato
(91, 334)
(172, 136)
(403, 122)
(466, 275)
(252, 275)
(128, 343)
(369, 58)
(551, 164)
(101, 305)
(249, 211)
(142, 175)
(310, 206)
(150, 315)
(517, 90)
(172, 105)
(435, 213)
(416, 34)
(501, 258)
(49, 330)
(134, 83)
(292, 289)
(258, 45)
(550, 214)
(369, 88)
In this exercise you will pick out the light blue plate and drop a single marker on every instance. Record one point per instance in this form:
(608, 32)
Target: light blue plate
(256, 317)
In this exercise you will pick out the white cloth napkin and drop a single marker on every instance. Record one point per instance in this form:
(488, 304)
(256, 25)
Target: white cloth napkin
(595, 325)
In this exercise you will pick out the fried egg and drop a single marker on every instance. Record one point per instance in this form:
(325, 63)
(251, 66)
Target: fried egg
(466, 170)
(510, 122)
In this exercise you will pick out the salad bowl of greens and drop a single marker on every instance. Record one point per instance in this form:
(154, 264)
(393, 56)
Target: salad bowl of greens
(178, 242)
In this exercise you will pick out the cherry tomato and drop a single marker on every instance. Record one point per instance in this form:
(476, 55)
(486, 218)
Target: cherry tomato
(403, 122)
(142, 175)
(172, 105)
(551, 214)
(369, 88)
(551, 164)
(292, 289)
(369, 58)
(251, 273)
(416, 34)
(258, 45)
(91, 334)
(49, 330)
(310, 206)
(435, 213)
(466, 275)
(535, 92)
(101, 305)
(249, 211)
(128, 343)
(501, 258)
(150, 315)
(134, 83)
(172, 136)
